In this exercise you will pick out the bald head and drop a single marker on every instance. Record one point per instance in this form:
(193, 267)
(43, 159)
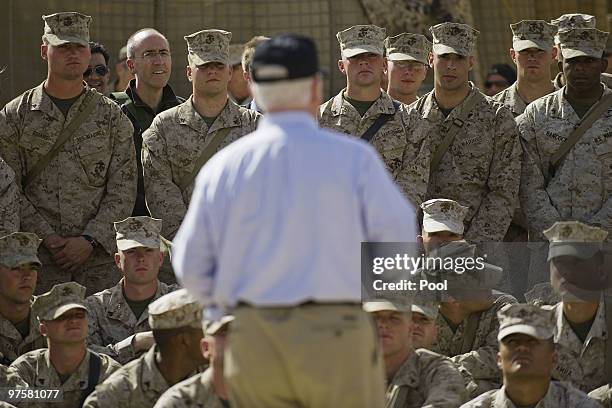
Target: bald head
(139, 36)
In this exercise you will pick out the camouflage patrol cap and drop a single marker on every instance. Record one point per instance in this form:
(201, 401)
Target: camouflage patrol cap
(66, 27)
(533, 34)
(138, 231)
(19, 248)
(573, 238)
(525, 319)
(360, 39)
(573, 20)
(235, 54)
(382, 305)
(174, 310)
(211, 328)
(426, 308)
(441, 214)
(60, 299)
(408, 47)
(581, 42)
(453, 38)
(208, 46)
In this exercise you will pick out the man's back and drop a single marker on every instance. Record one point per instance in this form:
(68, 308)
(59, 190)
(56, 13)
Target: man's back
(286, 208)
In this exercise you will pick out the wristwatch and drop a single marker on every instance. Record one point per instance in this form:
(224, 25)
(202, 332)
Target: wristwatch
(90, 239)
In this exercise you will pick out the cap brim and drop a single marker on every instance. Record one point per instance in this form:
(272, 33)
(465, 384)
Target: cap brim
(215, 327)
(22, 260)
(351, 52)
(540, 334)
(521, 45)
(582, 250)
(431, 225)
(64, 308)
(383, 305)
(441, 49)
(425, 310)
(398, 56)
(199, 60)
(56, 40)
(125, 244)
(569, 53)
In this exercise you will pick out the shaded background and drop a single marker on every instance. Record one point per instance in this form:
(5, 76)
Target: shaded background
(114, 21)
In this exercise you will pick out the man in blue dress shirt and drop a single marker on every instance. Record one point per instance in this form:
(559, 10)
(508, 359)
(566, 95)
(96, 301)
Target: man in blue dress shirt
(273, 232)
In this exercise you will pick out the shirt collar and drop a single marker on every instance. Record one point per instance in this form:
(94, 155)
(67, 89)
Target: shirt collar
(288, 118)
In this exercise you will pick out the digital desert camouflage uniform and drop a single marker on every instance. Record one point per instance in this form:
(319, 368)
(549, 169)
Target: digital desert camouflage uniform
(481, 168)
(581, 187)
(35, 367)
(13, 206)
(194, 392)
(534, 322)
(17, 249)
(526, 34)
(89, 184)
(9, 379)
(338, 114)
(426, 379)
(112, 322)
(139, 383)
(178, 136)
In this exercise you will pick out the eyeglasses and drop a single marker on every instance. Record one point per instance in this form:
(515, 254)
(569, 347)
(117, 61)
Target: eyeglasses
(489, 84)
(101, 70)
(150, 55)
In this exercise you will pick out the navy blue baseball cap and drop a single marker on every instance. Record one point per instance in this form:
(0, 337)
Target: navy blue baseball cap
(285, 57)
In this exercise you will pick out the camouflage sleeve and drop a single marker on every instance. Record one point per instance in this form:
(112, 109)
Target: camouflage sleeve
(10, 204)
(122, 352)
(163, 197)
(479, 370)
(445, 387)
(413, 175)
(493, 217)
(31, 220)
(120, 195)
(535, 201)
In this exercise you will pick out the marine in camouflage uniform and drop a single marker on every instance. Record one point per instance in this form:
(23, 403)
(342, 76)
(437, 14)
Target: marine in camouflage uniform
(90, 183)
(531, 328)
(341, 115)
(568, 22)
(581, 350)
(18, 252)
(112, 322)
(481, 168)
(469, 341)
(36, 367)
(205, 390)
(581, 186)
(407, 60)
(424, 378)
(178, 136)
(140, 383)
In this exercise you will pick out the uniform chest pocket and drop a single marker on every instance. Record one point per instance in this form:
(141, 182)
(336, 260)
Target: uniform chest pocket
(604, 154)
(35, 145)
(94, 151)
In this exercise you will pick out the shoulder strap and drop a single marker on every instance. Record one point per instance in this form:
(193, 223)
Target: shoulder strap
(95, 366)
(379, 122)
(87, 107)
(592, 115)
(608, 350)
(470, 332)
(209, 150)
(455, 125)
(119, 97)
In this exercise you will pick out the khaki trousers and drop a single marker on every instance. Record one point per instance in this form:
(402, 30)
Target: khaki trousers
(313, 355)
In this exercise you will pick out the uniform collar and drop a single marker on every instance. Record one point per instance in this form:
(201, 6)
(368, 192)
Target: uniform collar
(513, 100)
(47, 377)
(168, 99)
(40, 101)
(382, 105)
(433, 113)
(229, 117)
(152, 381)
(564, 331)
(408, 373)
(119, 308)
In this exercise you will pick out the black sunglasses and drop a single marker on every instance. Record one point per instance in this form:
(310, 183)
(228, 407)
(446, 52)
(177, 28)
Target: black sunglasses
(101, 70)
